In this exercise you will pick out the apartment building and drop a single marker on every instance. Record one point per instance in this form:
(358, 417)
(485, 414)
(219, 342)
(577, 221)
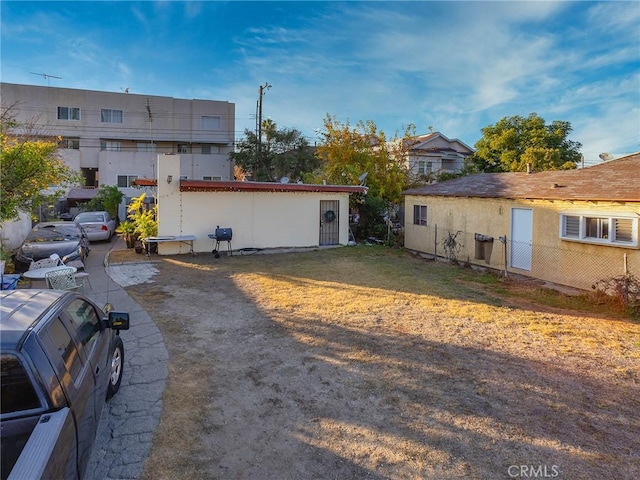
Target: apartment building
(115, 138)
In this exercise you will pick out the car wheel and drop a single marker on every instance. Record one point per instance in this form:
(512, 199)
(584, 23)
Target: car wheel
(117, 364)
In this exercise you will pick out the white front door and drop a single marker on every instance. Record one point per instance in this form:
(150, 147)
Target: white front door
(521, 238)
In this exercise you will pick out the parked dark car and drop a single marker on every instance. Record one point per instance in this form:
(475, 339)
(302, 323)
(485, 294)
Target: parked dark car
(67, 239)
(61, 357)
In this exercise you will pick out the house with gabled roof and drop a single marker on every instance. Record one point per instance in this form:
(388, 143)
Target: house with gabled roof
(434, 153)
(571, 227)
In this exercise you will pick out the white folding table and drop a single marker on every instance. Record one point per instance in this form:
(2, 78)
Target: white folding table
(186, 239)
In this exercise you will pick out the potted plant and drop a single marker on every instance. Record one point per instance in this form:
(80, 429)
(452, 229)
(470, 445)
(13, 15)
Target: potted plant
(143, 219)
(127, 230)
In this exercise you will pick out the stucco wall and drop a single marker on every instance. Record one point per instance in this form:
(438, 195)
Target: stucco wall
(12, 234)
(257, 219)
(553, 259)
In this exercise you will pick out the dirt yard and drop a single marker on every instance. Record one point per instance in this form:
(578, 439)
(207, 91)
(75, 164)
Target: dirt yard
(367, 363)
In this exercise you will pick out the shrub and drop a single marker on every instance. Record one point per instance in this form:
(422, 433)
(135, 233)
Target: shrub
(625, 289)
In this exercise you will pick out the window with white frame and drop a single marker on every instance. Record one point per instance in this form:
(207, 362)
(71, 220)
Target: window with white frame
(211, 177)
(183, 148)
(420, 215)
(110, 146)
(125, 181)
(424, 167)
(110, 116)
(210, 122)
(68, 113)
(608, 229)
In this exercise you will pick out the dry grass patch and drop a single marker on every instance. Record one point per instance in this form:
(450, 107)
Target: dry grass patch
(371, 363)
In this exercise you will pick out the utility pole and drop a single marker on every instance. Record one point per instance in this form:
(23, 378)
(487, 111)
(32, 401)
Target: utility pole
(261, 90)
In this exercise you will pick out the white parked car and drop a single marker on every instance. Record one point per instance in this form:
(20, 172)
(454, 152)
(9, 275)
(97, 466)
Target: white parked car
(97, 225)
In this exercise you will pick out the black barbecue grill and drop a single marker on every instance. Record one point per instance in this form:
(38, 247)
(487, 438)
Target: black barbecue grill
(221, 235)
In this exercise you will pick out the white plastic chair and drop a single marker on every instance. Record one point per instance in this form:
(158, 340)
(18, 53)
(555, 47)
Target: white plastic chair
(80, 275)
(63, 279)
(44, 263)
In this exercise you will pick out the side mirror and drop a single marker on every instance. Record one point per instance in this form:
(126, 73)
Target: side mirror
(119, 320)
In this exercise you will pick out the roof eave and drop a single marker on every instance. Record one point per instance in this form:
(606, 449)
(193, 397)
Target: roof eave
(237, 186)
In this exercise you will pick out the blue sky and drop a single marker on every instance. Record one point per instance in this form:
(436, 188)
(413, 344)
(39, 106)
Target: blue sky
(456, 66)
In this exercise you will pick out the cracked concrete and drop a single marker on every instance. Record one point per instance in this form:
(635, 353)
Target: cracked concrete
(130, 418)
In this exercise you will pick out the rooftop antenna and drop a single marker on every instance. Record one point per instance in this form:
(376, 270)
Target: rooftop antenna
(125, 89)
(46, 76)
(605, 157)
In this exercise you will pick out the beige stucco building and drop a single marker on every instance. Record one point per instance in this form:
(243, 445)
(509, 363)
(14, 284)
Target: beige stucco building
(261, 215)
(568, 227)
(112, 138)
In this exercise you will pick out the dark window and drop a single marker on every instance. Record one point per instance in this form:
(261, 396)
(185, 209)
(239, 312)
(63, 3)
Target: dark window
(70, 143)
(85, 321)
(597, 227)
(16, 389)
(65, 347)
(419, 214)
(68, 113)
(125, 181)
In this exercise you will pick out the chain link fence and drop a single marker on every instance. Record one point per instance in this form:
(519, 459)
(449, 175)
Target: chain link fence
(574, 264)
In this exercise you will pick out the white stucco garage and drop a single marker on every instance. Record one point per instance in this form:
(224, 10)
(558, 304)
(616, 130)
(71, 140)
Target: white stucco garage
(260, 214)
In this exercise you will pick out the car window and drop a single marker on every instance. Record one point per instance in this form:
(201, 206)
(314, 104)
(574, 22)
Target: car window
(85, 320)
(93, 217)
(65, 346)
(16, 389)
(53, 233)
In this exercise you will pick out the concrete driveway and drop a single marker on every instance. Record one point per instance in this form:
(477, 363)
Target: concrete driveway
(130, 418)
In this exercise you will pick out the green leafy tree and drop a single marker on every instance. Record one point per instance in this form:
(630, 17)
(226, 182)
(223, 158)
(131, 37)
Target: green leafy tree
(280, 153)
(29, 166)
(108, 199)
(349, 153)
(515, 142)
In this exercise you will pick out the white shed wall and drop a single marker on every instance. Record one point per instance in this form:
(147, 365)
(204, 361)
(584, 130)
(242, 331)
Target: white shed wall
(257, 219)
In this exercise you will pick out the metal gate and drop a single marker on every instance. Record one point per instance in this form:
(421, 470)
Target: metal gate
(329, 222)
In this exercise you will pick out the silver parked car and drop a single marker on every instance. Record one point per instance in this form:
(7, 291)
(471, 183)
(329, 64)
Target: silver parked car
(97, 225)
